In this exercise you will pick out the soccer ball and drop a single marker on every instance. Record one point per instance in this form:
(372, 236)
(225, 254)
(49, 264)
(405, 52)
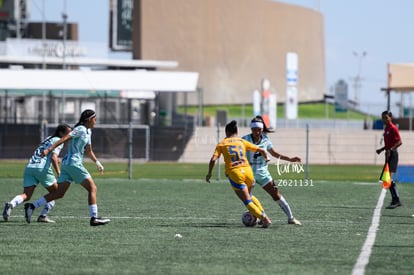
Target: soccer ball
(248, 219)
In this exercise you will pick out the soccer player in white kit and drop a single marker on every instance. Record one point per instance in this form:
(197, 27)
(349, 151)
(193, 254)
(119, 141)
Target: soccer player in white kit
(39, 170)
(72, 169)
(260, 165)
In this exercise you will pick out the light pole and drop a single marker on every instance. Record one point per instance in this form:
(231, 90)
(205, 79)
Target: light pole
(64, 34)
(358, 78)
(65, 18)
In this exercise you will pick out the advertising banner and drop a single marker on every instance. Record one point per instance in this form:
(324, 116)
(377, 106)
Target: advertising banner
(291, 104)
(121, 25)
(341, 96)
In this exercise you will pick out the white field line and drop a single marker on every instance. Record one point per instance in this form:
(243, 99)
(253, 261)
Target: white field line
(363, 259)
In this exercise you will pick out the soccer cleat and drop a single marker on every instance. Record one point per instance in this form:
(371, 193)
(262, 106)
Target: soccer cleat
(28, 211)
(294, 221)
(7, 211)
(44, 219)
(394, 205)
(266, 222)
(99, 221)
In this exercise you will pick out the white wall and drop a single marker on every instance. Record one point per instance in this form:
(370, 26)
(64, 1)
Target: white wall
(326, 146)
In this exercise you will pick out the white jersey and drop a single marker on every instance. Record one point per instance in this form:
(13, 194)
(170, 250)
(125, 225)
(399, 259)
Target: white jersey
(81, 136)
(36, 161)
(256, 160)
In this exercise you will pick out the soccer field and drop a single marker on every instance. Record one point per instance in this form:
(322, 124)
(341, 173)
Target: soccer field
(147, 213)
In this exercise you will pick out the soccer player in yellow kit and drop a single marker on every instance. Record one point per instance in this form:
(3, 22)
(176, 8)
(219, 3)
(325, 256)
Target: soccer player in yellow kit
(238, 170)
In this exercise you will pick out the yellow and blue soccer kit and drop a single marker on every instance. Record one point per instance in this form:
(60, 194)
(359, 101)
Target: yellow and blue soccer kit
(238, 170)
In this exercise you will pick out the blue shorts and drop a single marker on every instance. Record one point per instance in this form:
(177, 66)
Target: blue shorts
(262, 176)
(32, 177)
(69, 173)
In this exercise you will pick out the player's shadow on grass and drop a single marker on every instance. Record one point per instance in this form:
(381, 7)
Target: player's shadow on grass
(204, 225)
(228, 225)
(14, 223)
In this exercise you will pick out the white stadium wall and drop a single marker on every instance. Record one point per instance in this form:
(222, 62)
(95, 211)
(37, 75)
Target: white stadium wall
(326, 146)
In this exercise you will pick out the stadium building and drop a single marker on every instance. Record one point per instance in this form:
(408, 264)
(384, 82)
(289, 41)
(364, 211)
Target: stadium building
(189, 52)
(234, 44)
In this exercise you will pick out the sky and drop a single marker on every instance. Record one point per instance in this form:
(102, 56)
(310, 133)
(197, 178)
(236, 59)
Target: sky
(382, 29)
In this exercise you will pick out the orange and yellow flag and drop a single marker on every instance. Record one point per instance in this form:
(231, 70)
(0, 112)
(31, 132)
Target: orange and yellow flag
(386, 177)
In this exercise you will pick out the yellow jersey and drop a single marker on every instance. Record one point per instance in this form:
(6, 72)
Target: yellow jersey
(233, 150)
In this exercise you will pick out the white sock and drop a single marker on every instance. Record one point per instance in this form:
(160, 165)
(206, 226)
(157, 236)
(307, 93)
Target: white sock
(93, 210)
(285, 207)
(40, 202)
(46, 209)
(16, 201)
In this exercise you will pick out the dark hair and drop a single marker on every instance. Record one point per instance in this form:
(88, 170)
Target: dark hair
(231, 128)
(265, 128)
(87, 114)
(61, 128)
(388, 113)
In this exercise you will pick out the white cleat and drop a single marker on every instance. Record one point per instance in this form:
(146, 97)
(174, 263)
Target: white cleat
(45, 219)
(294, 221)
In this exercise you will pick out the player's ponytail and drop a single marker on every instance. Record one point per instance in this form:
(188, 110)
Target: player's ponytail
(60, 130)
(87, 114)
(231, 128)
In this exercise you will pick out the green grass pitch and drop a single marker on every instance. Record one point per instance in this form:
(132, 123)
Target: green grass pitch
(165, 199)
